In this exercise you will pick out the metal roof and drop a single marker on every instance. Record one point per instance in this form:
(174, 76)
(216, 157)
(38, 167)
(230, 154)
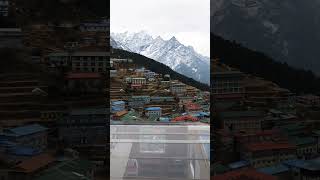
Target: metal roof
(238, 164)
(274, 169)
(117, 102)
(25, 130)
(303, 164)
(153, 109)
(24, 151)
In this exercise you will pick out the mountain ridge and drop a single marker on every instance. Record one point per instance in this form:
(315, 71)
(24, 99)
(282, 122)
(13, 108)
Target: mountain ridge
(157, 67)
(299, 81)
(181, 58)
(286, 30)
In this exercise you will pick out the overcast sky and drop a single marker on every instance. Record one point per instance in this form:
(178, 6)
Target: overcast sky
(187, 20)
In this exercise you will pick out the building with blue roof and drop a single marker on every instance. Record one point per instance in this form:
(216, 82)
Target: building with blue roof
(273, 170)
(201, 115)
(279, 170)
(303, 164)
(117, 106)
(239, 164)
(32, 136)
(24, 130)
(153, 111)
(304, 169)
(164, 119)
(23, 151)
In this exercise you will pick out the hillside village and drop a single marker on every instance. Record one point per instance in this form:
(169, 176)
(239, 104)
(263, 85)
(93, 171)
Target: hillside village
(54, 98)
(53, 116)
(262, 130)
(139, 95)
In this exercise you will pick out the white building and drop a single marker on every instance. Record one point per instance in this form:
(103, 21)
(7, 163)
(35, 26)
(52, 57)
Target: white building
(165, 83)
(117, 106)
(149, 74)
(113, 73)
(141, 70)
(153, 111)
(166, 77)
(128, 79)
(80, 61)
(177, 88)
(121, 60)
(139, 81)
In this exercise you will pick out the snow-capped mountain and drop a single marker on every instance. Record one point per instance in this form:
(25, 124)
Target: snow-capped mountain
(181, 58)
(134, 41)
(114, 44)
(286, 30)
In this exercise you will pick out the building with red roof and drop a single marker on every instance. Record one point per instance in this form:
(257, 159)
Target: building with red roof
(273, 135)
(185, 118)
(192, 107)
(264, 154)
(136, 86)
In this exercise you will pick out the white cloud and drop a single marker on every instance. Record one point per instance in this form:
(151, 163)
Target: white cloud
(187, 20)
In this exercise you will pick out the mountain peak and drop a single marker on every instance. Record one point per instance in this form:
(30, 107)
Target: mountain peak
(142, 32)
(173, 39)
(158, 38)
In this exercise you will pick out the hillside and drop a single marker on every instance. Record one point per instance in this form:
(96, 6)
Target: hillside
(259, 64)
(54, 11)
(157, 67)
